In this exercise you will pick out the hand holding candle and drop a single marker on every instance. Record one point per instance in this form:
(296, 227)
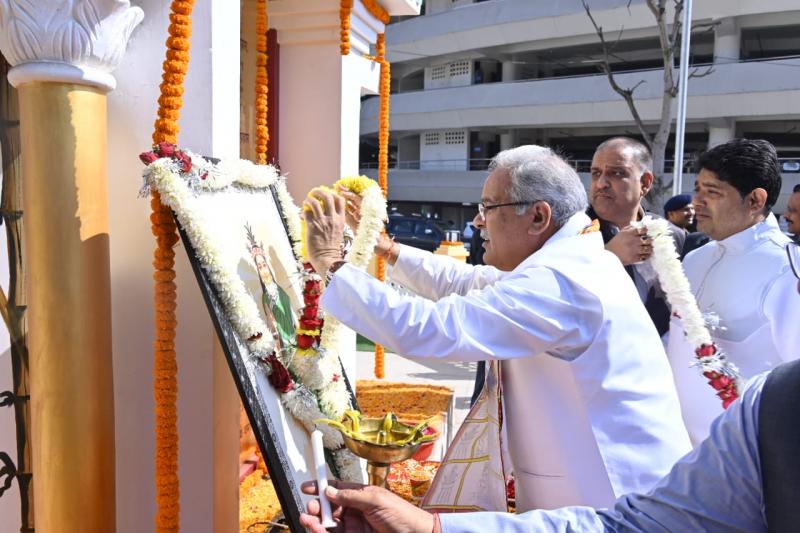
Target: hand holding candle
(322, 478)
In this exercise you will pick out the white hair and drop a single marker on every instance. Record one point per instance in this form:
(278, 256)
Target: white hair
(540, 175)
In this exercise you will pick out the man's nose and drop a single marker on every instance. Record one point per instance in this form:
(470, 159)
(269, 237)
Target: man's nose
(478, 221)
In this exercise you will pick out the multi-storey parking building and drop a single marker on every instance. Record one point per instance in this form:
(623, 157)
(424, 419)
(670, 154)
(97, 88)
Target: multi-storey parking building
(471, 78)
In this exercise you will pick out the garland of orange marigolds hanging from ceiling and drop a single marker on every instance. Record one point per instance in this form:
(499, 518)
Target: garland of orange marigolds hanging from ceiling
(165, 370)
(345, 7)
(262, 82)
(383, 164)
(376, 10)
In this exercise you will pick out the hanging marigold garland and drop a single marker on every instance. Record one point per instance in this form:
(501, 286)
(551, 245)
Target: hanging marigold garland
(376, 10)
(165, 370)
(345, 7)
(262, 82)
(383, 165)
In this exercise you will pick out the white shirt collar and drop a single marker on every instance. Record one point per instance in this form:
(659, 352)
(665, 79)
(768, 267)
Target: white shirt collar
(571, 228)
(744, 240)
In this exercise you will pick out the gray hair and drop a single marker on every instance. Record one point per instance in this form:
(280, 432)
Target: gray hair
(641, 153)
(539, 174)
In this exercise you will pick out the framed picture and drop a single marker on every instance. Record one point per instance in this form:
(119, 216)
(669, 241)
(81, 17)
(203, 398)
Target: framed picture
(240, 230)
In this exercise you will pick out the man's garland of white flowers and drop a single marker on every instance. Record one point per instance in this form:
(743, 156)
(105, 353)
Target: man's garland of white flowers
(319, 373)
(666, 263)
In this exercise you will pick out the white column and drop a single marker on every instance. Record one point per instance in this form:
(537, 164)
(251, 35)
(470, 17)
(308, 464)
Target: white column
(510, 71)
(209, 125)
(320, 94)
(508, 139)
(720, 130)
(320, 90)
(727, 40)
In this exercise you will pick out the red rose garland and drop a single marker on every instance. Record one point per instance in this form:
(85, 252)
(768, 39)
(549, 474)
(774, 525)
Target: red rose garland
(309, 319)
(724, 385)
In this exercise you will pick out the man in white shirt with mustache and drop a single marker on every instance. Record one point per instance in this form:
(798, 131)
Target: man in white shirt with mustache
(590, 407)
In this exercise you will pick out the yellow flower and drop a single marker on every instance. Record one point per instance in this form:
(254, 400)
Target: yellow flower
(356, 184)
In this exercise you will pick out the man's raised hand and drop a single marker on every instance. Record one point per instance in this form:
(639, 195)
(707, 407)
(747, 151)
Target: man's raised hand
(324, 214)
(631, 245)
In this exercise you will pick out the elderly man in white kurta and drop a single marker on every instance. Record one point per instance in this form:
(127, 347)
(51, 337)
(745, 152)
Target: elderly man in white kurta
(590, 406)
(740, 278)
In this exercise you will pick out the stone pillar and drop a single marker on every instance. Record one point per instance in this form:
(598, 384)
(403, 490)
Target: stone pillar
(510, 71)
(720, 130)
(209, 125)
(62, 62)
(727, 41)
(321, 92)
(508, 139)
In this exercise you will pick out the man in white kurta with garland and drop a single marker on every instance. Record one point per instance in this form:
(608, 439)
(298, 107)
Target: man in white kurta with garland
(590, 406)
(740, 278)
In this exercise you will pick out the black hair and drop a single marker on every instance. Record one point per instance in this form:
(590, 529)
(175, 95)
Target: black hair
(796, 188)
(745, 164)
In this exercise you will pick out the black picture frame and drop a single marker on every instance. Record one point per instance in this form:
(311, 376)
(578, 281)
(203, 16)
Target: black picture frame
(264, 427)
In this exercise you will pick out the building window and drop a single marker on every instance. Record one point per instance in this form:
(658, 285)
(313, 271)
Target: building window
(454, 137)
(459, 68)
(775, 41)
(431, 138)
(439, 72)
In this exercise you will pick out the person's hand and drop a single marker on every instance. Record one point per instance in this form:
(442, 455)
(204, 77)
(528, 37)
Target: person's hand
(352, 207)
(353, 216)
(324, 228)
(631, 245)
(365, 508)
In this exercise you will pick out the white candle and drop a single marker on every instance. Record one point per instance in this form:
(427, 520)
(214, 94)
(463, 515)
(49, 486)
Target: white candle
(322, 478)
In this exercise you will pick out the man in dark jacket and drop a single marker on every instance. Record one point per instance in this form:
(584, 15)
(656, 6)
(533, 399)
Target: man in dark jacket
(621, 176)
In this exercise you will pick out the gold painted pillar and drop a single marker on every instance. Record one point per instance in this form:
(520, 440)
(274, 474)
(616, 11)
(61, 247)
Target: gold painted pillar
(62, 79)
(65, 199)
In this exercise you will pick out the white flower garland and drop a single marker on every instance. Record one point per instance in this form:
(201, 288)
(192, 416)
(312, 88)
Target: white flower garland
(666, 263)
(177, 189)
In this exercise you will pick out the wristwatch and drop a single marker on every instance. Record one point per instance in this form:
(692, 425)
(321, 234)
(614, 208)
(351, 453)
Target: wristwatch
(332, 270)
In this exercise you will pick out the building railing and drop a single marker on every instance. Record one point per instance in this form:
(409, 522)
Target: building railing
(704, 65)
(788, 164)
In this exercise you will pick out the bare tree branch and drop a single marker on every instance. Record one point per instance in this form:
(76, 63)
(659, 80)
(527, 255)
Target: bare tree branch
(627, 94)
(696, 73)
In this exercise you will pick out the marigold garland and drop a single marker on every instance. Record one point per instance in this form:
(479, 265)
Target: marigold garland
(262, 82)
(383, 167)
(175, 67)
(345, 8)
(376, 10)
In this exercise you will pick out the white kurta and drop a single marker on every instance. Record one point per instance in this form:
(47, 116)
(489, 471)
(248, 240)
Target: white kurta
(591, 408)
(747, 282)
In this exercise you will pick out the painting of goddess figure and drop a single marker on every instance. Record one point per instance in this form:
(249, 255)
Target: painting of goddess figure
(275, 302)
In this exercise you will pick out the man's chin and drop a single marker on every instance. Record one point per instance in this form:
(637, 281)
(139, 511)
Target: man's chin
(704, 226)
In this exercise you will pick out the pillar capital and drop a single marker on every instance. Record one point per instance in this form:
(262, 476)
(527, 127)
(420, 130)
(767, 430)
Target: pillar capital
(317, 21)
(46, 41)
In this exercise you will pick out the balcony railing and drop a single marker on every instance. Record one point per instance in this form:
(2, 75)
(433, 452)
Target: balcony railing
(788, 165)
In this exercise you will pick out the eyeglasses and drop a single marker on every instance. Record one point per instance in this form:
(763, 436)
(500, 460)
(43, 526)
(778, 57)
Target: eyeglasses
(483, 208)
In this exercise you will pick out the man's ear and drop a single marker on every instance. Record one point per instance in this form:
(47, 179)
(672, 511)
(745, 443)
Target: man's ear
(647, 182)
(541, 214)
(757, 200)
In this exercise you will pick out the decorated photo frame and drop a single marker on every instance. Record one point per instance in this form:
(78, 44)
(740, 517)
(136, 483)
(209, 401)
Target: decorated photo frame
(242, 233)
